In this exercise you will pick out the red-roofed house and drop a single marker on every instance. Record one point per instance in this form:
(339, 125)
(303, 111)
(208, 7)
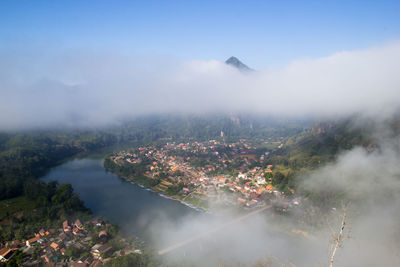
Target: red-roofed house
(251, 203)
(54, 246)
(6, 254)
(29, 242)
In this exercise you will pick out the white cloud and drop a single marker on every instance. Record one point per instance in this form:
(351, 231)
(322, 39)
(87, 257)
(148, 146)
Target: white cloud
(79, 88)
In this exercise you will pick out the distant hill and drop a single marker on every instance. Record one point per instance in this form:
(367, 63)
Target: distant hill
(234, 62)
(323, 141)
(208, 126)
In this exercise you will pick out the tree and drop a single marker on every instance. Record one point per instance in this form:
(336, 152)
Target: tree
(63, 193)
(278, 178)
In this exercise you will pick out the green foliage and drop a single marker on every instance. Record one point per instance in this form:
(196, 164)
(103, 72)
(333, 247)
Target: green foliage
(43, 205)
(62, 194)
(320, 144)
(175, 189)
(74, 252)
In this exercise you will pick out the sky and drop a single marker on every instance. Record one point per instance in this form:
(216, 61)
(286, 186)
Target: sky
(263, 34)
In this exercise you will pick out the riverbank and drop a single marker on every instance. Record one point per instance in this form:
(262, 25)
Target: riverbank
(148, 184)
(176, 198)
(123, 203)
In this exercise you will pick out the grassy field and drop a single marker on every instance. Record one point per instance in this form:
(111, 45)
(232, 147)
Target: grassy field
(14, 205)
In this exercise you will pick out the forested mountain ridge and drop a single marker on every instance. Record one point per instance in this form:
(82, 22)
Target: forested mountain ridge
(323, 141)
(318, 145)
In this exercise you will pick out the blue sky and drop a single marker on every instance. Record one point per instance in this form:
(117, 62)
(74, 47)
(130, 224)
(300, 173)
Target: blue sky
(263, 34)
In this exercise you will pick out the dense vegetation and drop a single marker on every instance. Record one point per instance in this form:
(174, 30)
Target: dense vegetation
(322, 142)
(149, 128)
(27, 204)
(319, 144)
(40, 206)
(25, 156)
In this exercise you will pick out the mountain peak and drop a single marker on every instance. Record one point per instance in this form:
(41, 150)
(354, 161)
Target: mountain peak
(235, 62)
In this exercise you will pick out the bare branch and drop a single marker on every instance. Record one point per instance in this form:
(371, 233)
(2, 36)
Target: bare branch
(339, 238)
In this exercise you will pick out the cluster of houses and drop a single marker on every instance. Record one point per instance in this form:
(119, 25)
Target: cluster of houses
(251, 185)
(54, 247)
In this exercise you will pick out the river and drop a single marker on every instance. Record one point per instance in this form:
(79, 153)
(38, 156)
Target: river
(121, 202)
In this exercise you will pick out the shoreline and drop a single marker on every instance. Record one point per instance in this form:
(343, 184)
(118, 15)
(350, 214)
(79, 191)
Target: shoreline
(151, 189)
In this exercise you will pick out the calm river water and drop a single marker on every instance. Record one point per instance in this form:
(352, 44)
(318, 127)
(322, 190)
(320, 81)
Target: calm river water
(122, 202)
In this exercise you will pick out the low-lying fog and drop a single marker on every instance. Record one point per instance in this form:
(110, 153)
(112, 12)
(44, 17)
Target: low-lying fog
(371, 183)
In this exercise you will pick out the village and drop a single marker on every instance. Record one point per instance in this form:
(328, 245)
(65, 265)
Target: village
(74, 244)
(201, 173)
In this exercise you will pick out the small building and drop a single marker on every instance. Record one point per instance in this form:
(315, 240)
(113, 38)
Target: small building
(95, 251)
(102, 234)
(75, 231)
(66, 226)
(186, 190)
(100, 250)
(252, 203)
(269, 188)
(6, 254)
(260, 180)
(97, 222)
(78, 224)
(54, 246)
(33, 240)
(104, 250)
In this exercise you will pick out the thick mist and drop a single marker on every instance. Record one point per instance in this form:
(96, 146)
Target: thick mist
(368, 183)
(79, 88)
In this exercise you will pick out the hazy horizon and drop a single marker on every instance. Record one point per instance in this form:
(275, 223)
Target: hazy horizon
(95, 89)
